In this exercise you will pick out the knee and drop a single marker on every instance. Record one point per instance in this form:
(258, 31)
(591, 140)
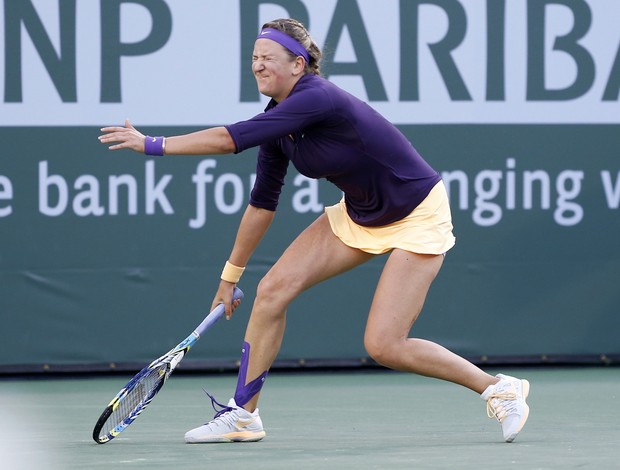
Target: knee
(265, 292)
(273, 293)
(381, 349)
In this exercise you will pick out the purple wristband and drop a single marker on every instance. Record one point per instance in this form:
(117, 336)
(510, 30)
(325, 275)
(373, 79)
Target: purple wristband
(154, 145)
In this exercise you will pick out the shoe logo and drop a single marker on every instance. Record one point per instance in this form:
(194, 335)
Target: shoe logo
(154, 139)
(242, 424)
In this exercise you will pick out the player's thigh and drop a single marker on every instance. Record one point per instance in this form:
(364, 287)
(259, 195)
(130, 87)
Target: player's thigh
(400, 294)
(314, 256)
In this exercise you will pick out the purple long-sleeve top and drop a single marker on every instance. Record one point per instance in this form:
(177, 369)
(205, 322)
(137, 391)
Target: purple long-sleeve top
(328, 133)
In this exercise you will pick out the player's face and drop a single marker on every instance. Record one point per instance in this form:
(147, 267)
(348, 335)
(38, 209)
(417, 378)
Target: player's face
(275, 72)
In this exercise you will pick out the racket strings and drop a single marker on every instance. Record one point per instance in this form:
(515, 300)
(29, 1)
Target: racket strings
(138, 397)
(131, 401)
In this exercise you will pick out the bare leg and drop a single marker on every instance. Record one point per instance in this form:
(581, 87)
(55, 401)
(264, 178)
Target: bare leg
(315, 255)
(395, 308)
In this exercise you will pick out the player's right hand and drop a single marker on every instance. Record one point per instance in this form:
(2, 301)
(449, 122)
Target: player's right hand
(224, 295)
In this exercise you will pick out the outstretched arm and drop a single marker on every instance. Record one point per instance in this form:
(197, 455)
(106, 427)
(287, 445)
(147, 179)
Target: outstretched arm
(213, 141)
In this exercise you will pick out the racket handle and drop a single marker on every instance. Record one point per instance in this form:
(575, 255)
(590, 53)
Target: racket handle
(215, 314)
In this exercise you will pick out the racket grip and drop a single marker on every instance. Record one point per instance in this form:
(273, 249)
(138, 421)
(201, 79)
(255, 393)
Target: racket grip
(216, 314)
(237, 294)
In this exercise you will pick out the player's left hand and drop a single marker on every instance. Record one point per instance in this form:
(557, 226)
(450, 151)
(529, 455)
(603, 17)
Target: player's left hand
(127, 137)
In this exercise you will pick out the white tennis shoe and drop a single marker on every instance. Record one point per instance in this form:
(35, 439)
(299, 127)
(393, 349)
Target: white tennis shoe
(231, 423)
(506, 403)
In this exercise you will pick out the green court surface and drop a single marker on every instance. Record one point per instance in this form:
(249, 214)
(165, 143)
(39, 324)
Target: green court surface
(319, 420)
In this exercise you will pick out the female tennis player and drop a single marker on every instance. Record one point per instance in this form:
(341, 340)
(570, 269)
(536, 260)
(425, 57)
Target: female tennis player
(394, 202)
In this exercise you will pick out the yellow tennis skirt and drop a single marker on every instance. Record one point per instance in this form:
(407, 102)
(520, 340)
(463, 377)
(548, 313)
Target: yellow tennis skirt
(427, 230)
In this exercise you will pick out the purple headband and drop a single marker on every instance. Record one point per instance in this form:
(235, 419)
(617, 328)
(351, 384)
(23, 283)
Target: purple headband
(286, 41)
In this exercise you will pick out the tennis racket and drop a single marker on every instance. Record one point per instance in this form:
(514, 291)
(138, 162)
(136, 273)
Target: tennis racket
(134, 397)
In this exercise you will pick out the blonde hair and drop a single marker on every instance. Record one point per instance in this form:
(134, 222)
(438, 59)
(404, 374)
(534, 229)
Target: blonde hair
(298, 31)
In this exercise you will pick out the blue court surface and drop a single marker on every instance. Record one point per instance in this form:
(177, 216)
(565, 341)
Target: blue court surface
(319, 420)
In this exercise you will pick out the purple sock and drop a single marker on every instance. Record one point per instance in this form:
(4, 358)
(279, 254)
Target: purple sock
(244, 393)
